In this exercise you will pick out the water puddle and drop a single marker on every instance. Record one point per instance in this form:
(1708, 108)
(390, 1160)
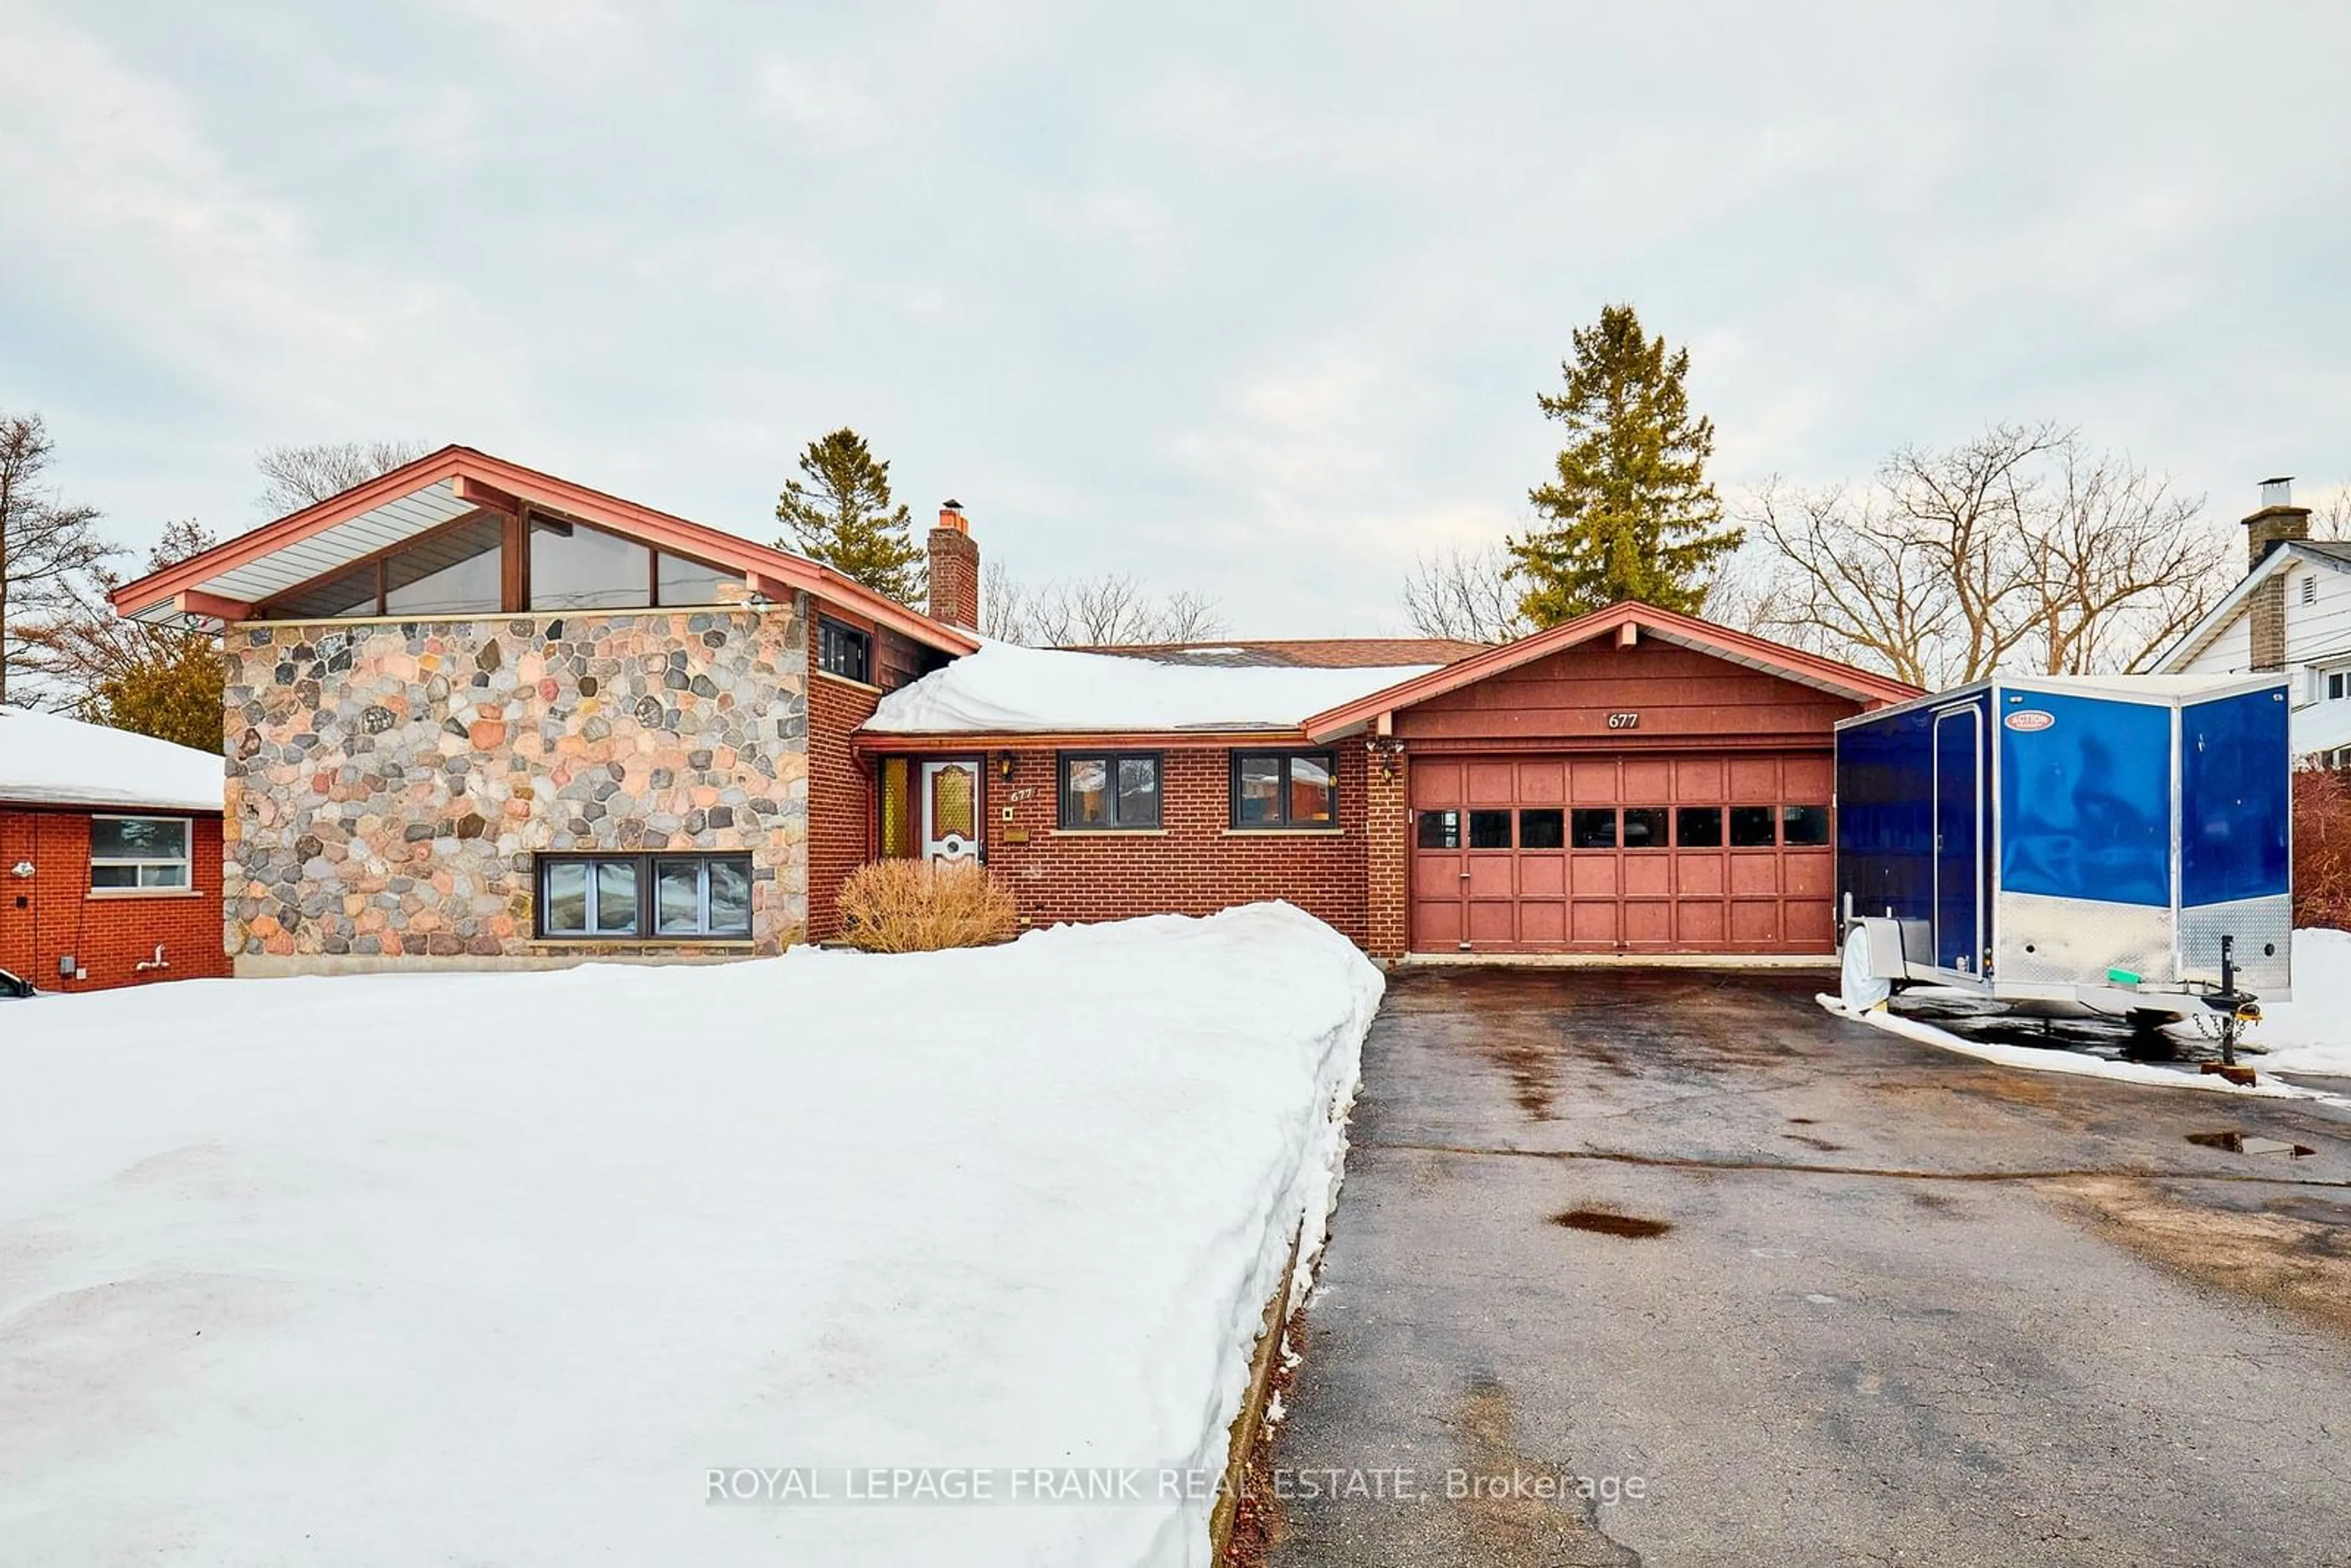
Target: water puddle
(2238, 1143)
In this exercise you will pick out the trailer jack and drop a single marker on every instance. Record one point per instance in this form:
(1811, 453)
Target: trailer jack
(2237, 1008)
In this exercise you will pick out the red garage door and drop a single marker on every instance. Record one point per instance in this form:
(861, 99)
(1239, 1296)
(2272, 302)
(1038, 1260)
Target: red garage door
(1661, 853)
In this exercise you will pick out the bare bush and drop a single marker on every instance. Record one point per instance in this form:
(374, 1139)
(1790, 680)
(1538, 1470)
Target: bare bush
(2322, 848)
(915, 906)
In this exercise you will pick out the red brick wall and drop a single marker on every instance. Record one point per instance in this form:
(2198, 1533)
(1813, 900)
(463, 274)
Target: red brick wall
(1195, 865)
(52, 914)
(840, 804)
(1385, 854)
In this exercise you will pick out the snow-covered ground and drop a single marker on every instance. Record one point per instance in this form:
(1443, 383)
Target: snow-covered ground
(499, 1268)
(2312, 1033)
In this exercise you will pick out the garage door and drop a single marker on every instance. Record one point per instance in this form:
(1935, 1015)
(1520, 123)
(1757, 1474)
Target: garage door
(1663, 853)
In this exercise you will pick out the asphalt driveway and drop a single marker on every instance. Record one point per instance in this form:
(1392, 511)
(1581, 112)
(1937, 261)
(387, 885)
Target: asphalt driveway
(1789, 1290)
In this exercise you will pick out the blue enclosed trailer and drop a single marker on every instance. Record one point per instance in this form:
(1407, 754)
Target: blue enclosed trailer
(2119, 842)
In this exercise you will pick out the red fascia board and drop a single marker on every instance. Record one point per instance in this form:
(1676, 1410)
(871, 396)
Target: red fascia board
(510, 480)
(1688, 630)
(872, 743)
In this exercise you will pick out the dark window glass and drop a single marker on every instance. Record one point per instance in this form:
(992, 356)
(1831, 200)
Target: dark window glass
(1806, 825)
(1110, 791)
(460, 570)
(1440, 830)
(1285, 790)
(1753, 827)
(1542, 829)
(1644, 826)
(1489, 830)
(138, 851)
(628, 897)
(683, 582)
(1313, 793)
(1257, 791)
(573, 567)
(1138, 791)
(1591, 828)
(353, 594)
(1699, 827)
(843, 651)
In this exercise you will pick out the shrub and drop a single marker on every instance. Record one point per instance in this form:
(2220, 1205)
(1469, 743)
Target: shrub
(913, 906)
(2322, 847)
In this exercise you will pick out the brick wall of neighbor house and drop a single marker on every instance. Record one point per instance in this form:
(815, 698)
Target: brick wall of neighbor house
(53, 915)
(841, 801)
(389, 781)
(1196, 864)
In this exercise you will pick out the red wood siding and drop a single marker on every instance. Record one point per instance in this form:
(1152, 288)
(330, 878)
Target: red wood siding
(1679, 692)
(841, 801)
(52, 915)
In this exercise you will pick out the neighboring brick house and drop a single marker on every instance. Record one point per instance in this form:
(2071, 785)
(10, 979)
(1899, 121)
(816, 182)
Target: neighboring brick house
(110, 856)
(481, 716)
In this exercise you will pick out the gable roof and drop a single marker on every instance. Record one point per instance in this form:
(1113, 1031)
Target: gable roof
(227, 581)
(1296, 653)
(2310, 552)
(48, 760)
(1621, 619)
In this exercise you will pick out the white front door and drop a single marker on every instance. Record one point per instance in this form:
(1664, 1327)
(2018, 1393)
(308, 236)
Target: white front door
(950, 811)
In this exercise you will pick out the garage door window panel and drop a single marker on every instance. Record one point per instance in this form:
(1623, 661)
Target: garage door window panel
(1804, 827)
(1544, 828)
(1440, 830)
(1591, 828)
(1753, 828)
(1489, 830)
(1644, 826)
(1699, 827)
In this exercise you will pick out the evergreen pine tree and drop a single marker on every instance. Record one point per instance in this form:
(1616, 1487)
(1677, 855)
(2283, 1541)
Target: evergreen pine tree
(1631, 513)
(842, 516)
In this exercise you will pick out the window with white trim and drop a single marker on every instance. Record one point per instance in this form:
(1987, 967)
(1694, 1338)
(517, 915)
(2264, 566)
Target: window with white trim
(128, 854)
(645, 897)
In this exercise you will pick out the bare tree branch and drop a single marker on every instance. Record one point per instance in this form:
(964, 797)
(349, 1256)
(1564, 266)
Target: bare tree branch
(49, 550)
(294, 477)
(1109, 611)
(1466, 594)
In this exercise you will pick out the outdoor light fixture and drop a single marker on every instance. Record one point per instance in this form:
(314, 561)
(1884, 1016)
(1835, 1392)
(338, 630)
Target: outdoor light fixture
(1004, 762)
(22, 868)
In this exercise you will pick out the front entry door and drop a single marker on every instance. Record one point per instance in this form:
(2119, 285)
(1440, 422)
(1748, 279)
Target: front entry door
(1959, 839)
(950, 811)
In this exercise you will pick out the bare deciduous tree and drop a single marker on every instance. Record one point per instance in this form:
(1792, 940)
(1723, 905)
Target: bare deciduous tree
(294, 477)
(1109, 610)
(47, 548)
(155, 680)
(2020, 548)
(1466, 593)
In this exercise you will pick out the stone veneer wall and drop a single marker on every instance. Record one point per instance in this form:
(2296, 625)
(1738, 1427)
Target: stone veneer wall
(389, 781)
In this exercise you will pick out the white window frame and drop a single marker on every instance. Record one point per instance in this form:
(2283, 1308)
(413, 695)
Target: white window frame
(184, 861)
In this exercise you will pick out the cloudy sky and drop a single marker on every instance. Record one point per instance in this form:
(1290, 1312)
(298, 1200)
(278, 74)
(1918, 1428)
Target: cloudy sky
(1251, 300)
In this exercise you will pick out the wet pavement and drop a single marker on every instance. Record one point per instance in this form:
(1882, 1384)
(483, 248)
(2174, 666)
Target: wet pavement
(1672, 1267)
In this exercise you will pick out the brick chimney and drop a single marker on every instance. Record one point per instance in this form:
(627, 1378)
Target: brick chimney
(2278, 522)
(955, 570)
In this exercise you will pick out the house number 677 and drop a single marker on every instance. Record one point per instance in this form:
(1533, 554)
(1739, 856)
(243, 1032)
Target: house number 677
(1624, 721)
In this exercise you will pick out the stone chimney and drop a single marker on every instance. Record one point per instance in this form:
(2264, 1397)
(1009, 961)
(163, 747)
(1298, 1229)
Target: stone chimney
(2278, 522)
(955, 570)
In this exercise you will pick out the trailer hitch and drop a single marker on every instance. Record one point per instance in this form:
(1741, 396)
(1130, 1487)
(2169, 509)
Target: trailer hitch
(2237, 1008)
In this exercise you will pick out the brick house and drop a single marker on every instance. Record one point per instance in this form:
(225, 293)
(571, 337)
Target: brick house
(477, 715)
(110, 856)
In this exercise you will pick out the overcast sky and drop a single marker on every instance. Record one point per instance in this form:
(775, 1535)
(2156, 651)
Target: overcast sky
(1251, 300)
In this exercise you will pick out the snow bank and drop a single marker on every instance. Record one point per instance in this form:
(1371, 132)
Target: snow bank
(47, 759)
(2312, 1033)
(2072, 1063)
(497, 1268)
(1005, 689)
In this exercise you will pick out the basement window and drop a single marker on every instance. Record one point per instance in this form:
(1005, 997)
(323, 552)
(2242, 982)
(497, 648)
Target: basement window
(657, 898)
(129, 855)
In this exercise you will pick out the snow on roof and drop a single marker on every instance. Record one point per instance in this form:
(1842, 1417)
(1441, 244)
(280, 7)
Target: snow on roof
(47, 759)
(1004, 689)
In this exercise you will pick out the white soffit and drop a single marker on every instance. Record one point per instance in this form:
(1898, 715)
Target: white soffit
(323, 553)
